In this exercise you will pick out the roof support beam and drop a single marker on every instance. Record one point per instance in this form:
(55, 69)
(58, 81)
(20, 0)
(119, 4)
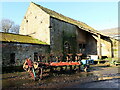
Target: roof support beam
(99, 47)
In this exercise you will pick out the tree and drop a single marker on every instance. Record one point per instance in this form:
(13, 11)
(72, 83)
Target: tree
(9, 26)
(15, 29)
(6, 25)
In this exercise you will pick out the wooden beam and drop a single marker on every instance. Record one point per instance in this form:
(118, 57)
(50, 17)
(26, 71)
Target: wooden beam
(99, 47)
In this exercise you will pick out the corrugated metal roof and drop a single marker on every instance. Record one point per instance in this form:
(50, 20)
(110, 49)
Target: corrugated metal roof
(9, 37)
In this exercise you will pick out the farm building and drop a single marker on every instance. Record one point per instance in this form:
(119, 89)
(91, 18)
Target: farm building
(63, 34)
(16, 48)
(46, 32)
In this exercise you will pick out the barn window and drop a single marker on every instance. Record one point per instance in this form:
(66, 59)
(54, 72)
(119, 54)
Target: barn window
(12, 58)
(35, 56)
(26, 21)
(35, 17)
(50, 27)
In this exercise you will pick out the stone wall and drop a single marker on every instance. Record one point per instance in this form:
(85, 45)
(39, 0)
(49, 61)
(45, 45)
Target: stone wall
(116, 48)
(91, 44)
(36, 24)
(106, 48)
(60, 33)
(81, 36)
(21, 51)
(57, 33)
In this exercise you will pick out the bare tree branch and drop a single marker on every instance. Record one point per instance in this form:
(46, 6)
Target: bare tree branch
(6, 25)
(15, 29)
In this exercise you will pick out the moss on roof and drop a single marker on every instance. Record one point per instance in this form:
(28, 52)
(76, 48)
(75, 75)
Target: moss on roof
(67, 19)
(9, 37)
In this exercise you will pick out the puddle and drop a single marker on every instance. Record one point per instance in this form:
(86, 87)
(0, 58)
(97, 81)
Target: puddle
(107, 78)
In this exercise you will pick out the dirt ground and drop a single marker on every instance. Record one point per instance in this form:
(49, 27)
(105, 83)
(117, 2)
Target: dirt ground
(108, 77)
(59, 80)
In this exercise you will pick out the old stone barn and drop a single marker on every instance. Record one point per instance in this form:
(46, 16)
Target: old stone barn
(16, 48)
(62, 35)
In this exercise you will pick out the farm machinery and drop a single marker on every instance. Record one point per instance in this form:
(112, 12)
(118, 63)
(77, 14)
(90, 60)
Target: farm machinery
(36, 69)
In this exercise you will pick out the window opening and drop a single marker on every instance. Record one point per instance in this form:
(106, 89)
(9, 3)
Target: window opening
(35, 56)
(12, 58)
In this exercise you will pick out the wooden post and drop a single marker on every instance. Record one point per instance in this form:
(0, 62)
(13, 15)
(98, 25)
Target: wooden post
(99, 47)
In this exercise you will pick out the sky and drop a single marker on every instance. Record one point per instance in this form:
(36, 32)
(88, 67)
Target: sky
(99, 15)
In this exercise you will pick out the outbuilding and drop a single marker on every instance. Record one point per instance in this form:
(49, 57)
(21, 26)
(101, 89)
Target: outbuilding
(16, 48)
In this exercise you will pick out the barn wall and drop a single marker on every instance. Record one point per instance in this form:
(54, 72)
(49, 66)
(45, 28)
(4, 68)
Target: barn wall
(81, 36)
(116, 48)
(91, 44)
(22, 51)
(36, 24)
(106, 48)
(56, 33)
(60, 33)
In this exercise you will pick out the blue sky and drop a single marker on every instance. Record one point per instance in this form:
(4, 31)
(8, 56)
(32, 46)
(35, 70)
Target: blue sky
(99, 15)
